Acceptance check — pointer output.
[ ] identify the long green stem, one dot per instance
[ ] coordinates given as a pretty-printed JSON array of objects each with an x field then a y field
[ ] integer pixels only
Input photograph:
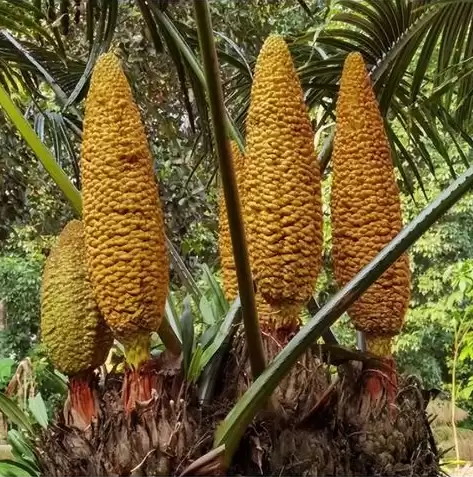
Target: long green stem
[
  {"x": 232, "y": 428},
  {"x": 41, "y": 151},
  {"x": 232, "y": 200}
]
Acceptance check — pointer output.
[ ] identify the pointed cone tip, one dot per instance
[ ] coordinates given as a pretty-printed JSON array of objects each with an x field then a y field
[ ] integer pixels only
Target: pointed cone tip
[
  {"x": 354, "y": 60},
  {"x": 274, "y": 45},
  {"x": 105, "y": 64}
]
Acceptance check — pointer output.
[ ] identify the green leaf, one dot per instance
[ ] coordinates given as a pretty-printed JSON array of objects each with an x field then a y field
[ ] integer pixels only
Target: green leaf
[
  {"x": 22, "y": 23},
  {"x": 103, "y": 37},
  {"x": 22, "y": 449},
  {"x": 56, "y": 381},
  {"x": 362, "y": 10},
  {"x": 218, "y": 297},
  {"x": 193, "y": 63},
  {"x": 208, "y": 335},
  {"x": 206, "y": 311},
  {"x": 58, "y": 91},
  {"x": 187, "y": 327},
  {"x": 467, "y": 351},
  {"x": 148, "y": 18},
  {"x": 212, "y": 357},
  {"x": 90, "y": 22},
  {"x": 172, "y": 317},
  {"x": 13, "y": 413},
  {"x": 169, "y": 337},
  {"x": 41, "y": 151},
  {"x": 38, "y": 409},
  {"x": 6, "y": 365},
  {"x": 97, "y": 48},
  {"x": 195, "y": 366},
  {"x": 466, "y": 392},
  {"x": 238, "y": 51},
  {"x": 10, "y": 468},
  {"x": 424, "y": 58},
  {"x": 232, "y": 320}
]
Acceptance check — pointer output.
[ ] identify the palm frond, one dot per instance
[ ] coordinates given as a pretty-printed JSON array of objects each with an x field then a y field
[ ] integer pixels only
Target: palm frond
[
  {"x": 24, "y": 18},
  {"x": 102, "y": 40},
  {"x": 415, "y": 50},
  {"x": 414, "y": 56},
  {"x": 65, "y": 150},
  {"x": 37, "y": 62}
]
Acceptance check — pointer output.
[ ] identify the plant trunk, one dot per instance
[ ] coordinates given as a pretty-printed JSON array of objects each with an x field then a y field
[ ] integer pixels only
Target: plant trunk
[
  {"x": 3, "y": 424},
  {"x": 454, "y": 393},
  {"x": 321, "y": 426}
]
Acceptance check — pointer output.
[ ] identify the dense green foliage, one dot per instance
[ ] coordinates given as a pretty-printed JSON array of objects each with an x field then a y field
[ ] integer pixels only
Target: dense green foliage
[{"x": 20, "y": 280}]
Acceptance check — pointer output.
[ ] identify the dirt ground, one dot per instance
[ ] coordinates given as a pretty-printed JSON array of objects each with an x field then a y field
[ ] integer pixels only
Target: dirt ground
[{"x": 5, "y": 452}]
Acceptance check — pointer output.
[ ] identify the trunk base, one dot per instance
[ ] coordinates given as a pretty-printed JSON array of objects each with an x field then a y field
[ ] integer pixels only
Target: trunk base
[
  {"x": 152, "y": 438},
  {"x": 320, "y": 427},
  {"x": 336, "y": 440},
  {"x": 304, "y": 385}
]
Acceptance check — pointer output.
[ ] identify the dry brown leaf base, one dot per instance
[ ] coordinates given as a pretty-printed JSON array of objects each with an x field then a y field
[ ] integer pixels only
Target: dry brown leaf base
[
  {"x": 337, "y": 429},
  {"x": 156, "y": 438},
  {"x": 300, "y": 390},
  {"x": 347, "y": 437},
  {"x": 339, "y": 434}
]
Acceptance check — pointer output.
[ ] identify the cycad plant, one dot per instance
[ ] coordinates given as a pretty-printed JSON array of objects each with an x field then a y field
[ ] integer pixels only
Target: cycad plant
[{"x": 152, "y": 422}]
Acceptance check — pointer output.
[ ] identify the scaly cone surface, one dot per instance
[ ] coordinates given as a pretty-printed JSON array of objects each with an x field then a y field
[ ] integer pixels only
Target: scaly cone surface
[
  {"x": 266, "y": 312},
  {"x": 283, "y": 209},
  {"x": 124, "y": 228},
  {"x": 72, "y": 328},
  {"x": 366, "y": 212},
  {"x": 227, "y": 262}
]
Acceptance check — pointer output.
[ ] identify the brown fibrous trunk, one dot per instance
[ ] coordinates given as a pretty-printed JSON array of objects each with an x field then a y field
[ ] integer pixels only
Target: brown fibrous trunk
[
  {"x": 304, "y": 384},
  {"x": 153, "y": 437},
  {"x": 322, "y": 425}
]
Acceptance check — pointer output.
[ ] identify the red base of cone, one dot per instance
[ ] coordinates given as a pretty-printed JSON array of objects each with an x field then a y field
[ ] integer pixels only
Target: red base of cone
[
  {"x": 382, "y": 384},
  {"x": 81, "y": 407},
  {"x": 138, "y": 385}
]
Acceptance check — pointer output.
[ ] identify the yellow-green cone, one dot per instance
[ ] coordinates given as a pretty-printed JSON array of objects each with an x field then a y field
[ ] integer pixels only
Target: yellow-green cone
[{"x": 72, "y": 328}]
